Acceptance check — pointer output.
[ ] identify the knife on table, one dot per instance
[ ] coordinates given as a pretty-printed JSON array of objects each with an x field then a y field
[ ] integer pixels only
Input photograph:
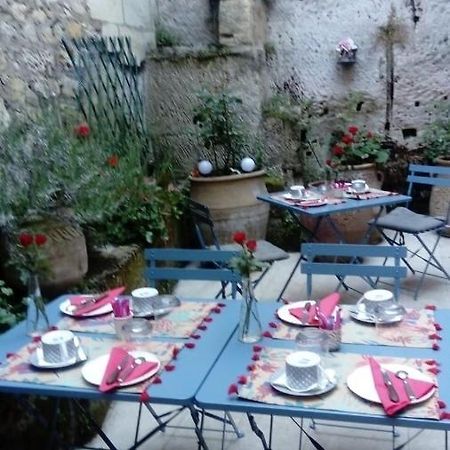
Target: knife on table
[
  {"x": 393, "y": 395},
  {"x": 116, "y": 372},
  {"x": 90, "y": 301}
]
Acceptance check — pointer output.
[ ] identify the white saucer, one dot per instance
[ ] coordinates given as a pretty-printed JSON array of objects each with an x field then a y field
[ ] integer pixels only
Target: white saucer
[
  {"x": 361, "y": 383},
  {"x": 362, "y": 316},
  {"x": 351, "y": 191},
  {"x": 37, "y": 359},
  {"x": 93, "y": 371},
  {"x": 66, "y": 308},
  {"x": 158, "y": 306},
  {"x": 328, "y": 383}
]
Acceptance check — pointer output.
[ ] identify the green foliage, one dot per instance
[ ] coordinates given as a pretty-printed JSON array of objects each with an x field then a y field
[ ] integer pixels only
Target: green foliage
[
  {"x": 8, "y": 317},
  {"x": 164, "y": 38},
  {"x": 437, "y": 135},
  {"x": 220, "y": 131}
]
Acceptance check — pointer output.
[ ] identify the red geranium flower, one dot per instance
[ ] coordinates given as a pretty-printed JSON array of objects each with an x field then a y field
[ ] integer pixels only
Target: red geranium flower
[
  {"x": 337, "y": 151},
  {"x": 112, "y": 161},
  {"x": 82, "y": 130},
  {"x": 353, "y": 129},
  {"x": 25, "y": 239},
  {"x": 347, "y": 139},
  {"x": 251, "y": 245},
  {"x": 239, "y": 237},
  {"x": 40, "y": 239}
]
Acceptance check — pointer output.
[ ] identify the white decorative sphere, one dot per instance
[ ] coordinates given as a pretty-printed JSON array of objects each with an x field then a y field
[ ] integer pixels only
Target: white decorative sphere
[
  {"x": 205, "y": 167},
  {"x": 247, "y": 164}
]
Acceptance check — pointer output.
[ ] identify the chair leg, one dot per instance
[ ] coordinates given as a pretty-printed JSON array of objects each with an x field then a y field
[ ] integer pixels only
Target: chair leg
[{"x": 289, "y": 279}]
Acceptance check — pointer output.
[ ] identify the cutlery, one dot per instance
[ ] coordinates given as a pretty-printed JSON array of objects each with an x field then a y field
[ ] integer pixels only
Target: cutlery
[
  {"x": 115, "y": 374},
  {"x": 393, "y": 395},
  {"x": 403, "y": 375},
  {"x": 90, "y": 301},
  {"x": 128, "y": 369},
  {"x": 81, "y": 354}
]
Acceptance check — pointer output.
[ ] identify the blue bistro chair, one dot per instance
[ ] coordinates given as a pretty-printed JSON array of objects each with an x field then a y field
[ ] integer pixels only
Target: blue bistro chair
[
  {"x": 159, "y": 266},
  {"x": 204, "y": 229},
  {"x": 347, "y": 261},
  {"x": 211, "y": 266},
  {"x": 401, "y": 221}
]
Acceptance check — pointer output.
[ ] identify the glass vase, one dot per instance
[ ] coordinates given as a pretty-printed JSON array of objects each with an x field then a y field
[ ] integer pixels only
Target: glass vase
[
  {"x": 37, "y": 320},
  {"x": 250, "y": 329}
]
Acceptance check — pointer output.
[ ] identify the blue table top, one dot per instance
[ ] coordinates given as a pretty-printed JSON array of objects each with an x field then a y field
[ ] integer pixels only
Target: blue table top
[
  {"x": 177, "y": 388},
  {"x": 348, "y": 205},
  {"x": 236, "y": 356}
]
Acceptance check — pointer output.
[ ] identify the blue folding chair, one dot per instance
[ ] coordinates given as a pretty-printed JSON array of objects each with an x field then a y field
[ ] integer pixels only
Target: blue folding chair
[
  {"x": 347, "y": 261},
  {"x": 213, "y": 267},
  {"x": 159, "y": 266},
  {"x": 403, "y": 221}
]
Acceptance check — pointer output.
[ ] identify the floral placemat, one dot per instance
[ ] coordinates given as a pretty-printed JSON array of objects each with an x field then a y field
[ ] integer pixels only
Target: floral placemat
[
  {"x": 417, "y": 329},
  {"x": 17, "y": 368},
  {"x": 268, "y": 361},
  {"x": 179, "y": 323}
]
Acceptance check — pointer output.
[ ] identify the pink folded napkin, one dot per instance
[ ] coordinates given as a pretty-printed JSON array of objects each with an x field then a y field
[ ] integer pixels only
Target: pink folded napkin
[
  {"x": 325, "y": 308},
  {"x": 116, "y": 357},
  {"x": 106, "y": 297},
  {"x": 419, "y": 388},
  {"x": 306, "y": 314}
]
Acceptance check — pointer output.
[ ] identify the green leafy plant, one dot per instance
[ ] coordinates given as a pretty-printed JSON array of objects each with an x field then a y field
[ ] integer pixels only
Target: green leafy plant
[
  {"x": 164, "y": 38},
  {"x": 220, "y": 131},
  {"x": 8, "y": 317},
  {"x": 437, "y": 136},
  {"x": 355, "y": 146}
]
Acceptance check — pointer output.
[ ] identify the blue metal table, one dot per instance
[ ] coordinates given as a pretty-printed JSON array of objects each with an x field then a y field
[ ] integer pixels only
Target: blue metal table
[
  {"x": 236, "y": 356},
  {"x": 178, "y": 387},
  {"x": 324, "y": 215}
]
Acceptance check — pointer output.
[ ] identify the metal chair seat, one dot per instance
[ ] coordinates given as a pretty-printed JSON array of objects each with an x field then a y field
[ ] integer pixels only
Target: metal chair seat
[{"x": 407, "y": 221}]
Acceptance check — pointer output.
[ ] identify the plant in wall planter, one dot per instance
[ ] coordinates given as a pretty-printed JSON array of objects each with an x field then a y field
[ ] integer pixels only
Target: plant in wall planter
[{"x": 228, "y": 175}]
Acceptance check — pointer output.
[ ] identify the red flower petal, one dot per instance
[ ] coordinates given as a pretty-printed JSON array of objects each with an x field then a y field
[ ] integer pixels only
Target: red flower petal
[
  {"x": 40, "y": 239},
  {"x": 25, "y": 239},
  {"x": 144, "y": 397},
  {"x": 353, "y": 129},
  {"x": 251, "y": 245},
  {"x": 82, "y": 130},
  {"x": 239, "y": 237},
  {"x": 431, "y": 307}
]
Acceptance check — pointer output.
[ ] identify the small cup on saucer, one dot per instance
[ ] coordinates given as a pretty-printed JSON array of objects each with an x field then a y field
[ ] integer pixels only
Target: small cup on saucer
[
  {"x": 58, "y": 346},
  {"x": 303, "y": 371},
  {"x": 297, "y": 191},
  {"x": 376, "y": 300},
  {"x": 359, "y": 186},
  {"x": 142, "y": 298}
]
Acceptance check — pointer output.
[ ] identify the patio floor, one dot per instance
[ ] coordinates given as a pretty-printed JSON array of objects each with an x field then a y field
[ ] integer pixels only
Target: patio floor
[{"x": 434, "y": 290}]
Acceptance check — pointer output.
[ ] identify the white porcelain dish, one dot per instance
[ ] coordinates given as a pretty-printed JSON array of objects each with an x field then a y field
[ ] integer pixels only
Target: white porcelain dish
[
  {"x": 284, "y": 314},
  {"x": 66, "y": 308},
  {"x": 329, "y": 382},
  {"x": 37, "y": 358}
]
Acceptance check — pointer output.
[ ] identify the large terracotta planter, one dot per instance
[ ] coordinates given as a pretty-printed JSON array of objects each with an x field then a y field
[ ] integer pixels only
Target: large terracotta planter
[
  {"x": 65, "y": 251},
  {"x": 353, "y": 225},
  {"x": 440, "y": 197},
  {"x": 233, "y": 204}
]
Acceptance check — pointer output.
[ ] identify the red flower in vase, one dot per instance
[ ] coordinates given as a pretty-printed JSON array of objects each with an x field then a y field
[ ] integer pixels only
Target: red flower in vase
[
  {"x": 245, "y": 263},
  {"x": 29, "y": 256},
  {"x": 25, "y": 239},
  {"x": 239, "y": 237}
]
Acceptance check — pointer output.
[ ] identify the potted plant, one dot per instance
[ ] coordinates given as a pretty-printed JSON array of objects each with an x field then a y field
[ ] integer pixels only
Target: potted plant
[
  {"x": 437, "y": 151},
  {"x": 355, "y": 154},
  {"x": 228, "y": 176}
]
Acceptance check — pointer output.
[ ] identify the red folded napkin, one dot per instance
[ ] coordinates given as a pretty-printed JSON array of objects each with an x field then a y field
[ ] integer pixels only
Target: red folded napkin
[
  {"x": 326, "y": 307},
  {"x": 116, "y": 357},
  {"x": 109, "y": 296},
  {"x": 303, "y": 312},
  {"x": 420, "y": 388}
]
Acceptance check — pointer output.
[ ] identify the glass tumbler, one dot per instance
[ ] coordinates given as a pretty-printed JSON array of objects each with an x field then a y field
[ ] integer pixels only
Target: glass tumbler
[{"x": 314, "y": 340}]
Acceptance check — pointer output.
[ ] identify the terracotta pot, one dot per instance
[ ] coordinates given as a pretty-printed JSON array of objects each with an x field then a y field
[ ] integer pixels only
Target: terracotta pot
[
  {"x": 65, "y": 251},
  {"x": 353, "y": 225},
  {"x": 233, "y": 204},
  {"x": 440, "y": 196}
]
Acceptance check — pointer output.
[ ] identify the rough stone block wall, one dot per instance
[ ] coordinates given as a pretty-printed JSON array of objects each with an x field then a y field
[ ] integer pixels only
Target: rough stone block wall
[{"x": 32, "y": 62}]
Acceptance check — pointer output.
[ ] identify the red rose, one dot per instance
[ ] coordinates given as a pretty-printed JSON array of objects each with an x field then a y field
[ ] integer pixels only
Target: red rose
[
  {"x": 347, "y": 139},
  {"x": 40, "y": 239},
  {"x": 337, "y": 150},
  {"x": 112, "y": 161},
  {"x": 353, "y": 130},
  {"x": 25, "y": 239},
  {"x": 82, "y": 130},
  {"x": 239, "y": 237},
  {"x": 251, "y": 245}
]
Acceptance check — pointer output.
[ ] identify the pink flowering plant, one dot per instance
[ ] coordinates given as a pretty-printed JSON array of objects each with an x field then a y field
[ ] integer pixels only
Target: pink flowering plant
[{"x": 355, "y": 146}]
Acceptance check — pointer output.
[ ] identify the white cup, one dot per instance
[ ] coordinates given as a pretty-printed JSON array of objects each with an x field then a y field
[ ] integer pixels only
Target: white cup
[
  {"x": 298, "y": 191},
  {"x": 58, "y": 346},
  {"x": 359, "y": 185},
  {"x": 142, "y": 298},
  {"x": 376, "y": 300},
  {"x": 303, "y": 371}
]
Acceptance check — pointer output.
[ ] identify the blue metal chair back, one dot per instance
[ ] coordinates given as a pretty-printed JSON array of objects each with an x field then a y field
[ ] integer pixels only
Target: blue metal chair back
[
  {"x": 157, "y": 260},
  {"x": 353, "y": 267}
]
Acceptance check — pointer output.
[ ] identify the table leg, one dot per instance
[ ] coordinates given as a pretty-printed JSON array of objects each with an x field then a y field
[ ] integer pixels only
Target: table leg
[{"x": 198, "y": 432}]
